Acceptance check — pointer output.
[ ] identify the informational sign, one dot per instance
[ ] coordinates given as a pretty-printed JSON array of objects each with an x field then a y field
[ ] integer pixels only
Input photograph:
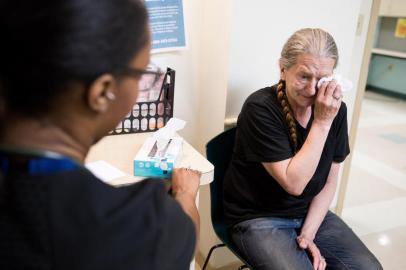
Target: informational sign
[
  {"x": 167, "y": 24},
  {"x": 400, "y": 31}
]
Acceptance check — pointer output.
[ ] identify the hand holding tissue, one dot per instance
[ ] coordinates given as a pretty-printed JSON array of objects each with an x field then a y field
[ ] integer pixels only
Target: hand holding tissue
[
  {"x": 160, "y": 152},
  {"x": 346, "y": 85}
]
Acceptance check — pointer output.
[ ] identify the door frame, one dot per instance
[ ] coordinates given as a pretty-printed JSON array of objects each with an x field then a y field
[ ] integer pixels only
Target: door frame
[{"x": 374, "y": 13}]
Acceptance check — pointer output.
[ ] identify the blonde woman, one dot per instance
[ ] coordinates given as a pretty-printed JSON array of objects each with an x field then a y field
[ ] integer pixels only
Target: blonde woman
[{"x": 291, "y": 139}]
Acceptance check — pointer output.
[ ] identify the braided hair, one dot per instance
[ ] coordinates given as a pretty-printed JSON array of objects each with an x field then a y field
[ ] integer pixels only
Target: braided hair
[{"x": 287, "y": 111}]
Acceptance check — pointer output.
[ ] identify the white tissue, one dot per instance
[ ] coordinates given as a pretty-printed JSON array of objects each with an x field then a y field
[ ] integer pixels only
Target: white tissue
[
  {"x": 346, "y": 85},
  {"x": 163, "y": 135}
]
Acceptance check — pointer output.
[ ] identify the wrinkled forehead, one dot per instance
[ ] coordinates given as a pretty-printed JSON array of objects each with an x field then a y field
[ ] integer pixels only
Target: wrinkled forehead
[{"x": 314, "y": 65}]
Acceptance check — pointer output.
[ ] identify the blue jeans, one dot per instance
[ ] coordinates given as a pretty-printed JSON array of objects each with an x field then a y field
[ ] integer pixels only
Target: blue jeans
[{"x": 270, "y": 244}]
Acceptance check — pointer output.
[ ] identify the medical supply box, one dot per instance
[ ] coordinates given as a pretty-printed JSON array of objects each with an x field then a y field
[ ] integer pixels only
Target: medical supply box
[{"x": 157, "y": 158}]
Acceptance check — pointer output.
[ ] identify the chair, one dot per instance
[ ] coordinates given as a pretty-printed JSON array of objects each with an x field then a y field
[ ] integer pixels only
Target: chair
[{"x": 219, "y": 151}]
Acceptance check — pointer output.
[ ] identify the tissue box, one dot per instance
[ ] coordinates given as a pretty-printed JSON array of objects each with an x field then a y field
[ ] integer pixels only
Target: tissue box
[{"x": 150, "y": 162}]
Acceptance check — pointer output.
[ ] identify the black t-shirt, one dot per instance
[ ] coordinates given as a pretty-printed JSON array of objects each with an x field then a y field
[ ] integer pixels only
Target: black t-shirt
[
  {"x": 262, "y": 136},
  {"x": 72, "y": 220}
]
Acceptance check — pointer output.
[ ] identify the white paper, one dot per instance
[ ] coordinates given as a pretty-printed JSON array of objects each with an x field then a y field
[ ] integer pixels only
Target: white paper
[
  {"x": 346, "y": 85},
  {"x": 167, "y": 132},
  {"x": 104, "y": 171},
  {"x": 163, "y": 135}
]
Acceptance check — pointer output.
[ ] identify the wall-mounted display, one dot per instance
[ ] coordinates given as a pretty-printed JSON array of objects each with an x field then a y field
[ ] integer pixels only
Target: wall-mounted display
[{"x": 167, "y": 25}]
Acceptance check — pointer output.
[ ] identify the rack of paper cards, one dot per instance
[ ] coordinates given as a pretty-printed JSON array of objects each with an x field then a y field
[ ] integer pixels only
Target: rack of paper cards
[{"x": 153, "y": 108}]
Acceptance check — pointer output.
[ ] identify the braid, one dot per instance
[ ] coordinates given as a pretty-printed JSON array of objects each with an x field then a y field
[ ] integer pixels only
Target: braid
[{"x": 287, "y": 111}]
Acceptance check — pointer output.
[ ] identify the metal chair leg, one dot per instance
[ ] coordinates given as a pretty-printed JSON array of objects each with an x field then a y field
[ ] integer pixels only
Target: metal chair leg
[{"x": 210, "y": 252}]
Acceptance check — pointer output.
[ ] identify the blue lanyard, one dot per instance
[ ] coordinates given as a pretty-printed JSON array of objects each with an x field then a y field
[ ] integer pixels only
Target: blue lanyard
[{"x": 36, "y": 165}]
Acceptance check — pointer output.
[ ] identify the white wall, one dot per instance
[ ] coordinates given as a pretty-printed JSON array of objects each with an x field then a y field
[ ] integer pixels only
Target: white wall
[
  {"x": 186, "y": 64},
  {"x": 200, "y": 88},
  {"x": 357, "y": 54},
  {"x": 213, "y": 90},
  {"x": 355, "y": 70},
  {"x": 261, "y": 27},
  {"x": 393, "y": 8},
  {"x": 201, "y": 70}
]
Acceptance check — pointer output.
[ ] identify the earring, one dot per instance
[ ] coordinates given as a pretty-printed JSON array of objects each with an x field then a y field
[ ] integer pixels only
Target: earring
[{"x": 110, "y": 95}]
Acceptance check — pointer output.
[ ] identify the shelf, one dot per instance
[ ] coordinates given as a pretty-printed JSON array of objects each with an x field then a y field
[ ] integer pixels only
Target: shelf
[{"x": 389, "y": 53}]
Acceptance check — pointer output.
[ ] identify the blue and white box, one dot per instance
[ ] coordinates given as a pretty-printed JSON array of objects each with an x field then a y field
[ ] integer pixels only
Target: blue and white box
[{"x": 158, "y": 158}]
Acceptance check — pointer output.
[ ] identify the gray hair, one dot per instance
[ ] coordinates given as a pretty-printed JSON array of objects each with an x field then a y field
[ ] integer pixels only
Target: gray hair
[{"x": 314, "y": 41}]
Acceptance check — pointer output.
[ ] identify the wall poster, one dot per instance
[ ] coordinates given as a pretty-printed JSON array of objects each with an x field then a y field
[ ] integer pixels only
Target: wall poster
[{"x": 167, "y": 25}]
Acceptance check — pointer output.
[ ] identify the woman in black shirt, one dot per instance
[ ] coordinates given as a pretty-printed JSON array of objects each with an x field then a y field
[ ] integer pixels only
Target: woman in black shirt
[
  {"x": 70, "y": 71},
  {"x": 290, "y": 141}
]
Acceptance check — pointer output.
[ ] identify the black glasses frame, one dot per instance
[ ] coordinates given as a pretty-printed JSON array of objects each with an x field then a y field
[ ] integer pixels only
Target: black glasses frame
[{"x": 137, "y": 73}]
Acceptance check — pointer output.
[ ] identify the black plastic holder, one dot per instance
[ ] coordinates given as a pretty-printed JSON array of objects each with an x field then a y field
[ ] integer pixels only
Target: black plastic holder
[{"x": 150, "y": 115}]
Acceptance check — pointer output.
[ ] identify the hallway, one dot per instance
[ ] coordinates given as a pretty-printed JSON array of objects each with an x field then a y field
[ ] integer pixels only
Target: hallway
[{"x": 375, "y": 205}]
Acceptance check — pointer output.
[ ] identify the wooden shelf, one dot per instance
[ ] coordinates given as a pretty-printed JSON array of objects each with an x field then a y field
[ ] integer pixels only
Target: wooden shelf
[{"x": 389, "y": 53}]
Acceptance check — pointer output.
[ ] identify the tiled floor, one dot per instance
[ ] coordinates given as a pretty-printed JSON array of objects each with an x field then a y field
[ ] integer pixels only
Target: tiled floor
[{"x": 375, "y": 205}]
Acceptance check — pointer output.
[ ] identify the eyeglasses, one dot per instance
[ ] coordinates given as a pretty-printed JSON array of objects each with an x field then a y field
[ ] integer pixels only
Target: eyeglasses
[{"x": 149, "y": 79}]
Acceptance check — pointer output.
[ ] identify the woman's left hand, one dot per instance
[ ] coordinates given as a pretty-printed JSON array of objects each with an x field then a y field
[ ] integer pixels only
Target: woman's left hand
[{"x": 319, "y": 263}]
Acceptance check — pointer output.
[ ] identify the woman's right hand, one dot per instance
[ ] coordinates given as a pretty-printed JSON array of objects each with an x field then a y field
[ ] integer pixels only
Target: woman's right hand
[
  {"x": 328, "y": 102},
  {"x": 185, "y": 182},
  {"x": 319, "y": 263}
]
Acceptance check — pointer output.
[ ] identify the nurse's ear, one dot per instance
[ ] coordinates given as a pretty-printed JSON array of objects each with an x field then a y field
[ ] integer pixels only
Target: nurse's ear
[{"x": 101, "y": 93}]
